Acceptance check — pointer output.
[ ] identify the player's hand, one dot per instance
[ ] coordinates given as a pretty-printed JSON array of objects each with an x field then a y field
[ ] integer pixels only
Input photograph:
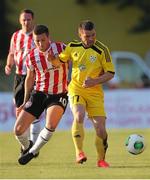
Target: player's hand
[
  {"x": 7, "y": 70},
  {"x": 53, "y": 59},
  {"x": 50, "y": 56},
  {"x": 89, "y": 82},
  {"x": 19, "y": 109}
]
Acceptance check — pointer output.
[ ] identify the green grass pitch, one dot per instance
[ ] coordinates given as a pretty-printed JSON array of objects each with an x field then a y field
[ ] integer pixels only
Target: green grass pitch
[{"x": 57, "y": 158}]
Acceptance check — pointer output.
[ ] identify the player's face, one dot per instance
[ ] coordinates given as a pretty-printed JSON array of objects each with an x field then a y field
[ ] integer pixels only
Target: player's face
[
  {"x": 27, "y": 22},
  {"x": 87, "y": 37},
  {"x": 42, "y": 41}
]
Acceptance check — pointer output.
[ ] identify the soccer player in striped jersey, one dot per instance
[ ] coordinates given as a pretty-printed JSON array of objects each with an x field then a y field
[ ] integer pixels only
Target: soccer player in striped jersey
[
  {"x": 49, "y": 92},
  {"x": 91, "y": 67},
  {"x": 21, "y": 44}
]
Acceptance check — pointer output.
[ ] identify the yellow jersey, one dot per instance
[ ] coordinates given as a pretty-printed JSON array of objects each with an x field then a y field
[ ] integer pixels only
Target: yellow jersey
[{"x": 87, "y": 62}]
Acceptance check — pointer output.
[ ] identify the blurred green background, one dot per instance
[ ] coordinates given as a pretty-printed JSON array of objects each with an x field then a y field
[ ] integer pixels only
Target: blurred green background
[{"x": 63, "y": 16}]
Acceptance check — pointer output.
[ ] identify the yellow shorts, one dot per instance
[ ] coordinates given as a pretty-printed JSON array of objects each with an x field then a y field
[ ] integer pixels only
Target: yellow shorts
[{"x": 94, "y": 103}]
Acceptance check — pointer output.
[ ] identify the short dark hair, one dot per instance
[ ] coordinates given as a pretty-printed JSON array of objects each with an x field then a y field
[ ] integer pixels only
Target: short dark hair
[
  {"x": 87, "y": 25},
  {"x": 29, "y": 11},
  {"x": 40, "y": 29}
]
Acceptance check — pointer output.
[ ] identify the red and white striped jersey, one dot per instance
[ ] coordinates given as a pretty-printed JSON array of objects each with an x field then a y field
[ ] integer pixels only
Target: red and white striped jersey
[
  {"x": 21, "y": 44},
  {"x": 48, "y": 79}
]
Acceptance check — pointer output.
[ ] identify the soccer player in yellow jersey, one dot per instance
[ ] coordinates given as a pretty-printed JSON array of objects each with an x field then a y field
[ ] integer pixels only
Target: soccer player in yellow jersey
[{"x": 91, "y": 67}]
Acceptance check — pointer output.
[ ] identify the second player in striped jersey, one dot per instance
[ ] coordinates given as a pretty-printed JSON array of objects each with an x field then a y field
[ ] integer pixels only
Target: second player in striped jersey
[{"x": 49, "y": 92}]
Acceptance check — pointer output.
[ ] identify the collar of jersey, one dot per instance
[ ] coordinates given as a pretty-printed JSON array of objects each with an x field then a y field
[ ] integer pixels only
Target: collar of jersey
[
  {"x": 45, "y": 52},
  {"x": 86, "y": 47},
  {"x": 27, "y": 33}
]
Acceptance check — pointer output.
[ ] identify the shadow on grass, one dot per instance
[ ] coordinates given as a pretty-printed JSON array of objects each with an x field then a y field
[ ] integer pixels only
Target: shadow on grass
[{"x": 132, "y": 166}]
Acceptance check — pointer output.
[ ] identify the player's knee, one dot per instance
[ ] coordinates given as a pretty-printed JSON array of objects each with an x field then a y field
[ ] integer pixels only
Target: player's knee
[
  {"x": 18, "y": 130},
  {"x": 79, "y": 117},
  {"x": 101, "y": 132}
]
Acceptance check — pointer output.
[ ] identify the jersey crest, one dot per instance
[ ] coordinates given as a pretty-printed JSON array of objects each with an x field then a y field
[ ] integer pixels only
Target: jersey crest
[{"x": 92, "y": 58}]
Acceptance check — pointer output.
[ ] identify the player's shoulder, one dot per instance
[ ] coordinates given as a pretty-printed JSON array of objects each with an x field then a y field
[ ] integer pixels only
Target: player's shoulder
[
  {"x": 75, "y": 43},
  {"x": 16, "y": 33},
  {"x": 99, "y": 47},
  {"x": 33, "y": 52},
  {"x": 58, "y": 45}
]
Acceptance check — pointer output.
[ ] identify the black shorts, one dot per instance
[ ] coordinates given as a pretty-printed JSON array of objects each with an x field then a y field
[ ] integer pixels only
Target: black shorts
[
  {"x": 18, "y": 89},
  {"x": 40, "y": 101}
]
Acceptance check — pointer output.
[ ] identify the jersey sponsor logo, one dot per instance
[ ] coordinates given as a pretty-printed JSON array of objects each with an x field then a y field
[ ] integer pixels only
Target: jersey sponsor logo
[
  {"x": 82, "y": 67},
  {"x": 51, "y": 68},
  {"x": 92, "y": 58},
  {"x": 75, "y": 56}
]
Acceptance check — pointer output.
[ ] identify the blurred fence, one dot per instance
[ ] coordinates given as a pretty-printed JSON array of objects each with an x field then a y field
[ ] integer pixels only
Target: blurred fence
[{"x": 125, "y": 109}]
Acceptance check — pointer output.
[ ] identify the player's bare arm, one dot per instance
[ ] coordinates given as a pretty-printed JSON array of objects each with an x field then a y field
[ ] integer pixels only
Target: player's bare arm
[
  {"x": 90, "y": 82},
  {"x": 9, "y": 64},
  {"x": 29, "y": 84}
]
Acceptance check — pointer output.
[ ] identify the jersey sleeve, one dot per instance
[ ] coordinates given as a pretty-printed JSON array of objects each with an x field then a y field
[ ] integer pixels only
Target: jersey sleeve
[{"x": 107, "y": 63}]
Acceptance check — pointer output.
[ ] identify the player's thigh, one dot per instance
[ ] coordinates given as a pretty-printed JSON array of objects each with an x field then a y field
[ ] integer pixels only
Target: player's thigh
[
  {"x": 23, "y": 122},
  {"x": 76, "y": 99},
  {"x": 95, "y": 106},
  {"x": 55, "y": 107},
  {"x": 78, "y": 107},
  {"x": 35, "y": 104},
  {"x": 53, "y": 116}
]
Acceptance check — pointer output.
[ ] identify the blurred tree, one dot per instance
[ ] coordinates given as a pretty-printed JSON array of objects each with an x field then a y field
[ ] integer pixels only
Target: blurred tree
[
  {"x": 103, "y": 1},
  {"x": 124, "y": 3},
  {"x": 143, "y": 23},
  {"x": 81, "y": 2},
  {"x": 6, "y": 29}
]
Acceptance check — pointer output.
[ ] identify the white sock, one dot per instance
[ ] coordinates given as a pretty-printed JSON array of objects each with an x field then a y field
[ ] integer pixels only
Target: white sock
[
  {"x": 35, "y": 129},
  {"x": 42, "y": 139},
  {"x": 24, "y": 139}
]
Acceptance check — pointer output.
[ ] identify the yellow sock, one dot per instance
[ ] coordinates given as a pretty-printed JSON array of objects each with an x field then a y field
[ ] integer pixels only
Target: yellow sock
[
  {"x": 78, "y": 136},
  {"x": 101, "y": 147}
]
